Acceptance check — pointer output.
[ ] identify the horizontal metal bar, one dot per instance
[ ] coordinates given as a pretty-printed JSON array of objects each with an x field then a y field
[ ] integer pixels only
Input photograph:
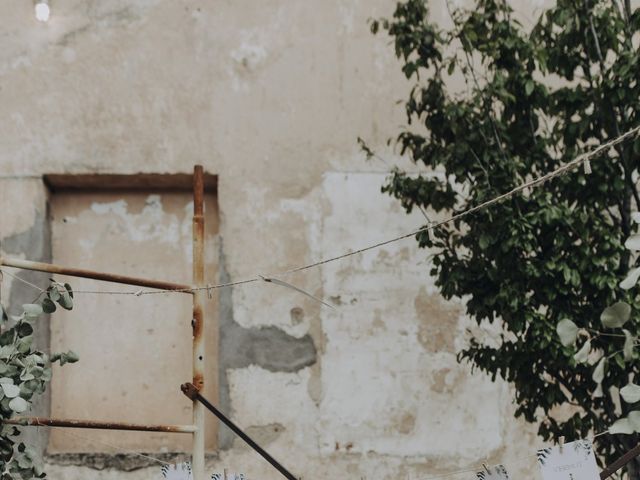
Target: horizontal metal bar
[
  {"x": 77, "y": 272},
  {"x": 69, "y": 423}
]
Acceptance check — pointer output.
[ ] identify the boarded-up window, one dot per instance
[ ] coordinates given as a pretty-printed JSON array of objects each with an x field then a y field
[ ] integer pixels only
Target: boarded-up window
[{"x": 135, "y": 351}]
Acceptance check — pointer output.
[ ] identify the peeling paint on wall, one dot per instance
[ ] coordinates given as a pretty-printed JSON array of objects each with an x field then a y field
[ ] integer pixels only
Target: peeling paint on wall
[{"x": 267, "y": 347}]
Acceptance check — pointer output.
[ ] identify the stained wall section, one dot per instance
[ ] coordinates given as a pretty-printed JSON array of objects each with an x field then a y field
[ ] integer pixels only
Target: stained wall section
[{"x": 135, "y": 350}]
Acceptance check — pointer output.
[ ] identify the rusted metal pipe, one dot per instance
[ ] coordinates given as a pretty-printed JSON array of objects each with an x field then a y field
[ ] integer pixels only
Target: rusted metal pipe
[
  {"x": 98, "y": 425},
  {"x": 621, "y": 462},
  {"x": 79, "y": 272},
  {"x": 197, "y": 460},
  {"x": 192, "y": 392}
]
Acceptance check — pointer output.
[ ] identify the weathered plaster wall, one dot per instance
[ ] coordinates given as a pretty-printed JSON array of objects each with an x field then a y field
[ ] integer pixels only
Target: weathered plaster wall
[{"x": 270, "y": 96}]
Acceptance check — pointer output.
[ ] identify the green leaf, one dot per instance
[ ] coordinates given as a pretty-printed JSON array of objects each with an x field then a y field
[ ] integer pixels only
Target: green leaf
[
  {"x": 24, "y": 344},
  {"x": 19, "y": 405},
  {"x": 10, "y": 391},
  {"x": 633, "y": 242},
  {"x": 629, "y": 342},
  {"x": 583, "y": 354},
  {"x": 634, "y": 420},
  {"x": 24, "y": 329},
  {"x": 72, "y": 357},
  {"x": 65, "y": 300},
  {"x": 48, "y": 306},
  {"x": 616, "y": 315},
  {"x": 598, "y": 393},
  {"x": 623, "y": 426},
  {"x": 53, "y": 293},
  {"x": 67, "y": 357},
  {"x": 528, "y": 87},
  {"x": 598, "y": 372},
  {"x": 630, "y": 393},
  {"x": 631, "y": 279},
  {"x": 567, "y": 331}
]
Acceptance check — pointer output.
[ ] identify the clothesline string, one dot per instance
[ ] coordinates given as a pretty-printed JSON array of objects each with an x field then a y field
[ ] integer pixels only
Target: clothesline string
[{"x": 582, "y": 159}]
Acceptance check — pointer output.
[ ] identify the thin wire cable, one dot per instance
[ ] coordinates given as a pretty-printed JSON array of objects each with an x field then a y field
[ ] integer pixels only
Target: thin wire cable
[
  {"x": 41, "y": 290},
  {"x": 562, "y": 170}
]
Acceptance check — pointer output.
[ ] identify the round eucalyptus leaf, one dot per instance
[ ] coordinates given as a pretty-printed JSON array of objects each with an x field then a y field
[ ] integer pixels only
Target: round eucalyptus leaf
[
  {"x": 53, "y": 293},
  {"x": 10, "y": 390},
  {"x": 633, "y": 242},
  {"x": 630, "y": 393},
  {"x": 598, "y": 372},
  {"x": 634, "y": 419},
  {"x": 24, "y": 329},
  {"x": 616, "y": 315},
  {"x": 622, "y": 425},
  {"x": 19, "y": 405},
  {"x": 567, "y": 331},
  {"x": 631, "y": 279},
  {"x": 24, "y": 344},
  {"x": 48, "y": 306},
  {"x": 65, "y": 300}
]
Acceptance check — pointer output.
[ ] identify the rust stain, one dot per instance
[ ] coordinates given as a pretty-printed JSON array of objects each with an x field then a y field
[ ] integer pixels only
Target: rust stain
[
  {"x": 438, "y": 322},
  {"x": 406, "y": 423},
  {"x": 440, "y": 384},
  {"x": 98, "y": 425}
]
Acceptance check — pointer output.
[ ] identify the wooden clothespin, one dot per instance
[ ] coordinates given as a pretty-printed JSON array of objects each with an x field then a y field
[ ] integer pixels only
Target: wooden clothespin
[
  {"x": 561, "y": 441},
  {"x": 484, "y": 465},
  {"x": 587, "y": 167},
  {"x": 210, "y": 297},
  {"x": 224, "y": 470}
]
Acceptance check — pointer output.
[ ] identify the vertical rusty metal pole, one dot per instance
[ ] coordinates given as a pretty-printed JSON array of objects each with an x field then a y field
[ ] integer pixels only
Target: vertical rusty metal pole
[{"x": 197, "y": 461}]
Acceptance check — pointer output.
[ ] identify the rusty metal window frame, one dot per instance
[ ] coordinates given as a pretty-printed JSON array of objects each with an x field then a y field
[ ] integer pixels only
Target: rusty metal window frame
[{"x": 198, "y": 182}]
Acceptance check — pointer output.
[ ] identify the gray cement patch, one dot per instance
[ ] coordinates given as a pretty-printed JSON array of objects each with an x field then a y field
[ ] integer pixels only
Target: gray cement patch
[{"x": 267, "y": 347}]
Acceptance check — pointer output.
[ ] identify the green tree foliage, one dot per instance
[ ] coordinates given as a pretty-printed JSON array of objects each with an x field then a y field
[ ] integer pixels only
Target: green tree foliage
[
  {"x": 494, "y": 104},
  {"x": 24, "y": 373}
]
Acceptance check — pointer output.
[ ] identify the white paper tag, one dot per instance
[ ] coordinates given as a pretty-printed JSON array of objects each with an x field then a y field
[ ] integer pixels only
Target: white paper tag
[
  {"x": 576, "y": 462},
  {"x": 181, "y": 471},
  {"x": 497, "y": 472}
]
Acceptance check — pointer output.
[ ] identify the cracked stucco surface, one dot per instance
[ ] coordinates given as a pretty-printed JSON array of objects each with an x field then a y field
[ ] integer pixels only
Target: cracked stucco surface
[{"x": 271, "y": 97}]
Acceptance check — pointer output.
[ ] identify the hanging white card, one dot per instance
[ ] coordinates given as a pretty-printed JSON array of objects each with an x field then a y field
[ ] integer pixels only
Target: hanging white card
[
  {"x": 497, "y": 472},
  {"x": 575, "y": 462},
  {"x": 181, "y": 471}
]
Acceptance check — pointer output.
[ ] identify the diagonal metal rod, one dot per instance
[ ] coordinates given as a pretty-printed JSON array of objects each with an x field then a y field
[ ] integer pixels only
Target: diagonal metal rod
[
  {"x": 621, "y": 462},
  {"x": 192, "y": 392}
]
